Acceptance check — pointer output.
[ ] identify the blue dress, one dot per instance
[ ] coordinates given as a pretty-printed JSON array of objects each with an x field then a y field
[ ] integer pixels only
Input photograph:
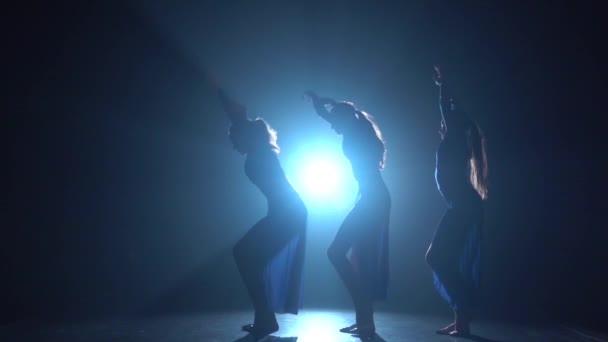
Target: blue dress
[
  {"x": 286, "y": 212},
  {"x": 369, "y": 252},
  {"x": 457, "y": 241}
]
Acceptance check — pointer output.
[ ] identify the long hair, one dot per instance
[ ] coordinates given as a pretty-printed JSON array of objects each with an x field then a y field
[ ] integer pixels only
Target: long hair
[
  {"x": 368, "y": 131},
  {"x": 370, "y": 134},
  {"x": 266, "y": 134},
  {"x": 254, "y": 134},
  {"x": 368, "y": 120},
  {"x": 478, "y": 163}
]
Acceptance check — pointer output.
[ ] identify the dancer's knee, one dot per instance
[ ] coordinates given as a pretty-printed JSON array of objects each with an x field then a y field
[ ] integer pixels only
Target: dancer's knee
[
  {"x": 334, "y": 254},
  {"x": 431, "y": 258}
]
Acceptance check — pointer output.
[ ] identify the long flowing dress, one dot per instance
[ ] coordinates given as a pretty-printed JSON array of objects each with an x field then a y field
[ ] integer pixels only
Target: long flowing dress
[
  {"x": 457, "y": 241},
  {"x": 371, "y": 214},
  {"x": 281, "y": 236}
]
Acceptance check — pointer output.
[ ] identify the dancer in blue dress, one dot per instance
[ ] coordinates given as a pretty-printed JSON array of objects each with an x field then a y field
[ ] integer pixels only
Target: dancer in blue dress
[
  {"x": 365, "y": 230},
  {"x": 270, "y": 257},
  {"x": 460, "y": 173}
]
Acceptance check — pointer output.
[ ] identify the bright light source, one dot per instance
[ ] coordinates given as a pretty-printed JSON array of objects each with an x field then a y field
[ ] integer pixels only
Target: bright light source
[
  {"x": 323, "y": 178},
  {"x": 320, "y": 177}
]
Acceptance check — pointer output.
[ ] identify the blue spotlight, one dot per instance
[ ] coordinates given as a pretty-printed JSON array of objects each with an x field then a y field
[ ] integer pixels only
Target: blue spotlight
[
  {"x": 320, "y": 177},
  {"x": 323, "y": 177}
]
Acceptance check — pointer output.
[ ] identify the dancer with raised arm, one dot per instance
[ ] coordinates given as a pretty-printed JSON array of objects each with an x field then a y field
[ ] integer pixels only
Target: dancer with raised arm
[
  {"x": 270, "y": 256},
  {"x": 461, "y": 176},
  {"x": 365, "y": 230}
]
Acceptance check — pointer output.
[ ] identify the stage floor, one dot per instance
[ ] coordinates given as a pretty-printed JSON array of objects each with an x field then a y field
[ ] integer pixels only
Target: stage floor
[{"x": 308, "y": 326}]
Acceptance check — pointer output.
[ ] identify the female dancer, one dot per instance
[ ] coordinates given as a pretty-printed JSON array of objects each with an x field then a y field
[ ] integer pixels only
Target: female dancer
[
  {"x": 365, "y": 229},
  {"x": 460, "y": 173},
  {"x": 270, "y": 256}
]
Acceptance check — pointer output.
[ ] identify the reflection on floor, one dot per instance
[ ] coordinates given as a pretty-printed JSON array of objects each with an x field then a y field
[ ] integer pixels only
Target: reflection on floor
[{"x": 308, "y": 326}]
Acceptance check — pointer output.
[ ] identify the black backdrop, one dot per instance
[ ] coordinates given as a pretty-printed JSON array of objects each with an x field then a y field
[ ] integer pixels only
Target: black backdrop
[{"x": 122, "y": 193}]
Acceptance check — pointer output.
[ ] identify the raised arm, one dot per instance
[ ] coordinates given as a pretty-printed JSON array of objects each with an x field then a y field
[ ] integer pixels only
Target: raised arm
[
  {"x": 235, "y": 111},
  {"x": 319, "y": 104},
  {"x": 447, "y": 106}
]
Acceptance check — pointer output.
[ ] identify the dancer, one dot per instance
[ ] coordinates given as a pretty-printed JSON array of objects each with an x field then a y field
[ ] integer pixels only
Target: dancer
[
  {"x": 271, "y": 254},
  {"x": 365, "y": 230},
  {"x": 460, "y": 173}
]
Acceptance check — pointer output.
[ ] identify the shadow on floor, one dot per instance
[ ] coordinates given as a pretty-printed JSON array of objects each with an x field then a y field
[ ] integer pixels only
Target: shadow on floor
[
  {"x": 376, "y": 338},
  {"x": 249, "y": 338},
  {"x": 203, "y": 289},
  {"x": 477, "y": 338}
]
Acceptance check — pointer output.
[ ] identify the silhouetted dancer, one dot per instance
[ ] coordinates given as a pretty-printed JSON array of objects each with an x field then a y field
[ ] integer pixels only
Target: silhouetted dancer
[
  {"x": 460, "y": 173},
  {"x": 365, "y": 230},
  {"x": 270, "y": 256}
]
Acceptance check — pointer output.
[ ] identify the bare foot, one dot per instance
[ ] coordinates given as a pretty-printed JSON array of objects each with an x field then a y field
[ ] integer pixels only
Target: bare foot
[
  {"x": 447, "y": 330},
  {"x": 462, "y": 325},
  {"x": 364, "y": 332},
  {"x": 259, "y": 331},
  {"x": 262, "y": 327},
  {"x": 460, "y": 332},
  {"x": 349, "y": 329}
]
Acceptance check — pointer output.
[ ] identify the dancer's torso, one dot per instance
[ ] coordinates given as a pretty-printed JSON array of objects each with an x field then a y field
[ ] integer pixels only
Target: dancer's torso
[
  {"x": 264, "y": 170},
  {"x": 452, "y": 169},
  {"x": 365, "y": 164}
]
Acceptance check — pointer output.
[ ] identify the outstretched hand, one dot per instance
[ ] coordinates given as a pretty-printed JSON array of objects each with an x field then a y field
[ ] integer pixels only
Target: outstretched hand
[
  {"x": 319, "y": 103},
  {"x": 311, "y": 96},
  {"x": 437, "y": 75},
  {"x": 234, "y": 110}
]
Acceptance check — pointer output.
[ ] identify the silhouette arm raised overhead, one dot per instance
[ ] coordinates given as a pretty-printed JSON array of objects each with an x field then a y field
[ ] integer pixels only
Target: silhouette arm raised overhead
[
  {"x": 320, "y": 104},
  {"x": 447, "y": 105},
  {"x": 236, "y": 111}
]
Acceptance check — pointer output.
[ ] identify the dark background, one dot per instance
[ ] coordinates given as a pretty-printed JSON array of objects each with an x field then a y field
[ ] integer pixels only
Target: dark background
[{"x": 122, "y": 193}]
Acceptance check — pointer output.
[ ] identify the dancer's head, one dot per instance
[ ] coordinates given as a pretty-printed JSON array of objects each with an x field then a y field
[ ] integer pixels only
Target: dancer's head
[
  {"x": 347, "y": 118},
  {"x": 250, "y": 135},
  {"x": 344, "y": 116}
]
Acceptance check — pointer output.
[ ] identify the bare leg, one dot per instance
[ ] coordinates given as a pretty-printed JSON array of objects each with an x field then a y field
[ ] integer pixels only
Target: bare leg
[
  {"x": 349, "y": 233},
  {"x": 442, "y": 256}
]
